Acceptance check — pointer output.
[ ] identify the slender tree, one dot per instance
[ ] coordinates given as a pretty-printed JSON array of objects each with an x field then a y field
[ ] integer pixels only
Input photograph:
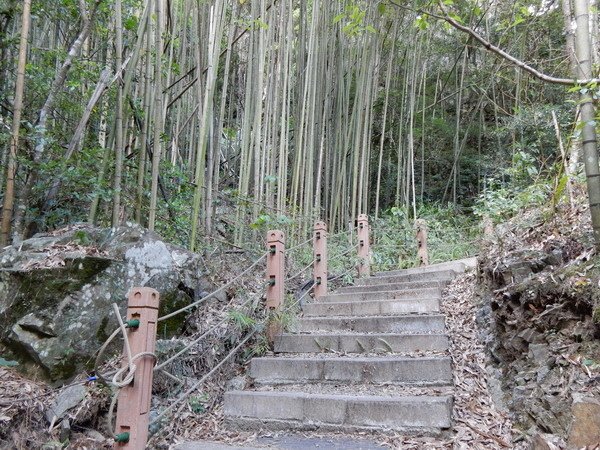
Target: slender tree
[
  {"x": 588, "y": 133},
  {"x": 9, "y": 194}
]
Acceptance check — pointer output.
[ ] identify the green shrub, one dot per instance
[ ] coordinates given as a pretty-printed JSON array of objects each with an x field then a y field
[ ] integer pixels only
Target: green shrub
[{"x": 450, "y": 235}]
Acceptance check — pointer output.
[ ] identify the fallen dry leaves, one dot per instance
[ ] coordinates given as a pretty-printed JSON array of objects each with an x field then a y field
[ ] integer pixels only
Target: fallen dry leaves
[
  {"x": 478, "y": 422},
  {"x": 54, "y": 256}
]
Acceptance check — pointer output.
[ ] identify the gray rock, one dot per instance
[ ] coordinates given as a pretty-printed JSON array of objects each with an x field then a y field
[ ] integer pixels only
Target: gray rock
[
  {"x": 236, "y": 384},
  {"x": 542, "y": 373},
  {"x": 543, "y": 441},
  {"x": 530, "y": 335},
  {"x": 539, "y": 353},
  {"x": 56, "y": 299},
  {"x": 95, "y": 435},
  {"x": 65, "y": 430},
  {"x": 67, "y": 399},
  {"x": 585, "y": 425}
]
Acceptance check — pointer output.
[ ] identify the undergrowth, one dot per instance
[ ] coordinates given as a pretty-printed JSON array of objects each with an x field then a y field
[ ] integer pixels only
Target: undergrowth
[{"x": 450, "y": 235}]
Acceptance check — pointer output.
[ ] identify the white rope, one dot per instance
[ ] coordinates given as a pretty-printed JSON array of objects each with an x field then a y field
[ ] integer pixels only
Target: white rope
[
  {"x": 117, "y": 379},
  {"x": 222, "y": 288},
  {"x": 198, "y": 339},
  {"x": 301, "y": 271},
  {"x": 291, "y": 249},
  {"x": 291, "y": 305},
  {"x": 187, "y": 393}
]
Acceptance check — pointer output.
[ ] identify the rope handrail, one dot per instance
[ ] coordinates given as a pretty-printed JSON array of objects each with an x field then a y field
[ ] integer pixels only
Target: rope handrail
[
  {"x": 191, "y": 344},
  {"x": 341, "y": 233},
  {"x": 275, "y": 276},
  {"x": 116, "y": 380},
  {"x": 347, "y": 251},
  {"x": 198, "y": 339},
  {"x": 302, "y": 244},
  {"x": 222, "y": 288},
  {"x": 301, "y": 271},
  {"x": 291, "y": 305},
  {"x": 130, "y": 368},
  {"x": 196, "y": 385},
  {"x": 342, "y": 275},
  {"x": 308, "y": 241}
]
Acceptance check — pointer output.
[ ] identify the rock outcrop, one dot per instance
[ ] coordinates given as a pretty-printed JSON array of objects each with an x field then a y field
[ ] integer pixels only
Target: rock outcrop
[
  {"x": 538, "y": 309},
  {"x": 56, "y": 292}
]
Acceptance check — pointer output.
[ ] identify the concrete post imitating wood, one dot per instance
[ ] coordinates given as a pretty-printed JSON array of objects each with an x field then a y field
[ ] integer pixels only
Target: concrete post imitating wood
[
  {"x": 422, "y": 243},
  {"x": 364, "y": 266},
  {"x": 134, "y": 400},
  {"x": 320, "y": 257},
  {"x": 275, "y": 269}
]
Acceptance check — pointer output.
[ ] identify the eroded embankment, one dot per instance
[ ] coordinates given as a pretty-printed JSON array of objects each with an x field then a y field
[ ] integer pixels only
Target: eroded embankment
[{"x": 540, "y": 291}]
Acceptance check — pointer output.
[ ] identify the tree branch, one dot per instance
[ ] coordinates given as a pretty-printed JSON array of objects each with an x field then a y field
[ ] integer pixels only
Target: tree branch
[{"x": 498, "y": 51}]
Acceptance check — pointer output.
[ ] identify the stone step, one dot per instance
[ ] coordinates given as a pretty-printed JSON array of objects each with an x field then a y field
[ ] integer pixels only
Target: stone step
[
  {"x": 458, "y": 266},
  {"x": 381, "y": 295},
  {"x": 433, "y": 323},
  {"x": 294, "y": 441},
  {"x": 375, "y": 389},
  {"x": 408, "y": 285},
  {"x": 373, "y": 307},
  {"x": 444, "y": 275},
  {"x": 360, "y": 343},
  {"x": 297, "y": 410},
  {"x": 390, "y": 369}
]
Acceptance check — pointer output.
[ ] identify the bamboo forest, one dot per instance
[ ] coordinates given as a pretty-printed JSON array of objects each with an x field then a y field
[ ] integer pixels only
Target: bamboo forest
[
  {"x": 434, "y": 161},
  {"x": 157, "y": 112}
]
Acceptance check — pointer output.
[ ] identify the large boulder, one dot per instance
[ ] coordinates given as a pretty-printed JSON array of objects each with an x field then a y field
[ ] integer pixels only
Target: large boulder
[{"x": 56, "y": 292}]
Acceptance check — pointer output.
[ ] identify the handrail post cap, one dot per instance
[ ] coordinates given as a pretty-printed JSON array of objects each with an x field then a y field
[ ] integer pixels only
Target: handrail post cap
[
  {"x": 143, "y": 297},
  {"x": 275, "y": 236}
]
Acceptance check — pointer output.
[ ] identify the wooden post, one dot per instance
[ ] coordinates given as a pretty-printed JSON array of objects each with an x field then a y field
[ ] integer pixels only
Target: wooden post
[
  {"x": 275, "y": 269},
  {"x": 422, "y": 243},
  {"x": 320, "y": 255},
  {"x": 364, "y": 269},
  {"x": 134, "y": 400}
]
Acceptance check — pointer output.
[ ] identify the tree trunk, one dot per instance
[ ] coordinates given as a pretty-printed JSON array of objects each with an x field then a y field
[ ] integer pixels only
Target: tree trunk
[
  {"x": 40, "y": 137},
  {"x": 588, "y": 134},
  {"x": 158, "y": 112},
  {"x": 9, "y": 195},
  {"x": 119, "y": 118}
]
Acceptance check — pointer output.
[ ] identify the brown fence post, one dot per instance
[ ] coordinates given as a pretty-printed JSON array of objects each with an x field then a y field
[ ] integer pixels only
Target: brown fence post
[
  {"x": 320, "y": 256},
  {"x": 364, "y": 269},
  {"x": 422, "y": 243},
  {"x": 275, "y": 269},
  {"x": 134, "y": 399},
  {"x": 275, "y": 279}
]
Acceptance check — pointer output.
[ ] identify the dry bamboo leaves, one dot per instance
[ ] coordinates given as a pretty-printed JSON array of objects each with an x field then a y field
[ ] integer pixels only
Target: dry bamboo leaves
[{"x": 478, "y": 423}]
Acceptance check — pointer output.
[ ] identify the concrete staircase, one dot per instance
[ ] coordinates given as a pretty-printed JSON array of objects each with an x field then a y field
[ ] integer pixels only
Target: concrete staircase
[{"x": 369, "y": 357}]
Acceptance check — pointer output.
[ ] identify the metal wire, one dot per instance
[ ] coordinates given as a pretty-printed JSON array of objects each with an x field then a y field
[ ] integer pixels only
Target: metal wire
[{"x": 343, "y": 274}]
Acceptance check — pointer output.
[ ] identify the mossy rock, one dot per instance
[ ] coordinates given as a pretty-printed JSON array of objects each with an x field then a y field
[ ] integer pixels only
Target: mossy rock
[
  {"x": 596, "y": 315},
  {"x": 55, "y": 316}
]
